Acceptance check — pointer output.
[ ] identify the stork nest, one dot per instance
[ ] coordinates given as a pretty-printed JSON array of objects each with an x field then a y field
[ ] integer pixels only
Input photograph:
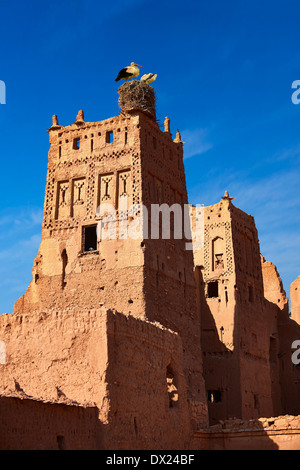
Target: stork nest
[{"x": 136, "y": 95}]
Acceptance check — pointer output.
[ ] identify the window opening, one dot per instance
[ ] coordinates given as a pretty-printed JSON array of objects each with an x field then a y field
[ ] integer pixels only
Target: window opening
[
  {"x": 214, "y": 396},
  {"x": 172, "y": 387},
  {"x": 90, "y": 238},
  {"x": 109, "y": 137},
  {"x": 76, "y": 144},
  {"x": 64, "y": 258},
  {"x": 213, "y": 289},
  {"x": 60, "y": 442}
]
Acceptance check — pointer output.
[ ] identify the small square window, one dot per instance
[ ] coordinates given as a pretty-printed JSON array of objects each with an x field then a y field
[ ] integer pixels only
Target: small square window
[{"x": 90, "y": 238}]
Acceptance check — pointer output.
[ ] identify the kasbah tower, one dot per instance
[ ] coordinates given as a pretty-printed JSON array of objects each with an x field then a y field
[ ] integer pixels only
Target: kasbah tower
[{"x": 130, "y": 342}]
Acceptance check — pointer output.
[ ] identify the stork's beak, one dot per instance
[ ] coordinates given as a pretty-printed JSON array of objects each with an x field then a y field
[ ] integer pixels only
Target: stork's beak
[{"x": 138, "y": 65}]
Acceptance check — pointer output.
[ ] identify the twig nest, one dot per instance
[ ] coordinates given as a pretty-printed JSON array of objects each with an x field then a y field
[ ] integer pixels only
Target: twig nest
[{"x": 136, "y": 95}]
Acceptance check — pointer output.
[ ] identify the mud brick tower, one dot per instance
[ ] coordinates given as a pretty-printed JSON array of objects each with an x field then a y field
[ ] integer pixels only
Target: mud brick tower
[
  {"x": 237, "y": 333},
  {"x": 128, "y": 160}
]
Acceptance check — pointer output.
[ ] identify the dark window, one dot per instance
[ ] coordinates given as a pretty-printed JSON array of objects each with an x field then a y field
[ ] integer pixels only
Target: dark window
[
  {"x": 109, "y": 137},
  {"x": 60, "y": 442},
  {"x": 90, "y": 238},
  {"x": 213, "y": 289},
  {"x": 172, "y": 387},
  {"x": 76, "y": 144},
  {"x": 64, "y": 258},
  {"x": 214, "y": 396}
]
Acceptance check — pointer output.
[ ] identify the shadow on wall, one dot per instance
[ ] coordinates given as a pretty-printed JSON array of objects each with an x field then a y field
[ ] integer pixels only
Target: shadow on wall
[
  {"x": 221, "y": 366},
  {"x": 243, "y": 435},
  {"x": 289, "y": 375},
  {"x": 28, "y": 424}
]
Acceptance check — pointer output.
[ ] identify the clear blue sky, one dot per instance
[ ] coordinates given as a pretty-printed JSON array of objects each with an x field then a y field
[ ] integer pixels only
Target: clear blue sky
[{"x": 225, "y": 70}]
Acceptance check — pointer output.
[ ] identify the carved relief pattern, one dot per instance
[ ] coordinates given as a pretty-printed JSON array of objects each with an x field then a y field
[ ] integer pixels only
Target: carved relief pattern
[
  {"x": 62, "y": 194},
  {"x": 228, "y": 250},
  {"x": 57, "y": 208},
  {"x": 124, "y": 187},
  {"x": 136, "y": 184},
  {"x": 49, "y": 205},
  {"x": 124, "y": 182},
  {"x": 63, "y": 200},
  {"x": 106, "y": 189},
  {"x": 91, "y": 200},
  {"x": 78, "y": 191}
]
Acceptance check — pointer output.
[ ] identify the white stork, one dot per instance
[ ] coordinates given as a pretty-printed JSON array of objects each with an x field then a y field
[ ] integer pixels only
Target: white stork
[
  {"x": 148, "y": 78},
  {"x": 128, "y": 72}
]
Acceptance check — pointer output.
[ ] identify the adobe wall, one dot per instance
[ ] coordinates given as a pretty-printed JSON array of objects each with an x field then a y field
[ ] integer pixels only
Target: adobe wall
[
  {"x": 280, "y": 433},
  {"x": 56, "y": 355},
  {"x": 149, "y": 406},
  {"x": 289, "y": 331},
  {"x": 295, "y": 299},
  {"x": 276, "y": 307},
  {"x": 252, "y": 325},
  {"x": 283, "y": 331},
  {"x": 131, "y": 370},
  {"x": 169, "y": 284},
  {"x": 273, "y": 286},
  {"x": 28, "y": 424}
]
